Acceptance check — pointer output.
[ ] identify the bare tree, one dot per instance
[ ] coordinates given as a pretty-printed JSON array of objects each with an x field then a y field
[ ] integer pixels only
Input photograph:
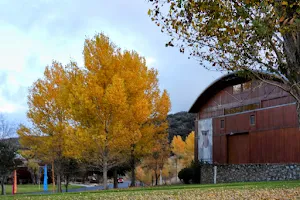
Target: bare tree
[
  {"x": 7, "y": 128},
  {"x": 259, "y": 38},
  {"x": 8, "y": 151}
]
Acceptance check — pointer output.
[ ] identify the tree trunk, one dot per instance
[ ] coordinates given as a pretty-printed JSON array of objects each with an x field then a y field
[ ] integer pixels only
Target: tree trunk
[
  {"x": 298, "y": 113},
  {"x": 176, "y": 170},
  {"x": 152, "y": 179},
  {"x": 32, "y": 177},
  {"x": 53, "y": 178},
  {"x": 83, "y": 179},
  {"x": 35, "y": 179},
  {"x": 160, "y": 177},
  {"x": 156, "y": 173},
  {"x": 132, "y": 166},
  {"x": 38, "y": 178},
  {"x": 105, "y": 172},
  {"x": 59, "y": 190},
  {"x": 156, "y": 177},
  {"x": 115, "y": 178},
  {"x": 67, "y": 182},
  {"x": 132, "y": 184},
  {"x": 3, "y": 192}
]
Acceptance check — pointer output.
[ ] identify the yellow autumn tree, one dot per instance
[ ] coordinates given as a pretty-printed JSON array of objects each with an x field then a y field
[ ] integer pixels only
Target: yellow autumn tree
[
  {"x": 183, "y": 150},
  {"x": 114, "y": 102},
  {"x": 156, "y": 140},
  {"x": 189, "y": 148},
  {"x": 106, "y": 112},
  {"x": 169, "y": 171},
  {"x": 157, "y": 160},
  {"x": 178, "y": 145},
  {"x": 47, "y": 113},
  {"x": 144, "y": 175},
  {"x": 153, "y": 132},
  {"x": 99, "y": 113}
]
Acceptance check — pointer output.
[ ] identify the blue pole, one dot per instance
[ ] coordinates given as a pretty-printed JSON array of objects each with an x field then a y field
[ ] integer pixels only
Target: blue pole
[{"x": 45, "y": 179}]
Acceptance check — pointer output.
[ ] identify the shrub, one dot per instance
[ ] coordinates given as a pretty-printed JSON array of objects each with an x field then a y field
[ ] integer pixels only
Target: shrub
[
  {"x": 196, "y": 166},
  {"x": 186, "y": 175}
]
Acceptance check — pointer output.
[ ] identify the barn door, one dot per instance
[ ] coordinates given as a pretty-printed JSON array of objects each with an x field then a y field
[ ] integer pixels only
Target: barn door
[{"x": 238, "y": 148}]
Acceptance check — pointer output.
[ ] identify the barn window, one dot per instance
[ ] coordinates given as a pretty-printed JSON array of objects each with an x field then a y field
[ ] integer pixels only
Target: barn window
[
  {"x": 252, "y": 120},
  {"x": 246, "y": 86},
  {"x": 241, "y": 108},
  {"x": 222, "y": 123},
  {"x": 237, "y": 88}
]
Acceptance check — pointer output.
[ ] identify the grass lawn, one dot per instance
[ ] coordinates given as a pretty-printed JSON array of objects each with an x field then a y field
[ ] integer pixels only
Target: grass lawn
[
  {"x": 33, "y": 188},
  {"x": 258, "y": 190}
]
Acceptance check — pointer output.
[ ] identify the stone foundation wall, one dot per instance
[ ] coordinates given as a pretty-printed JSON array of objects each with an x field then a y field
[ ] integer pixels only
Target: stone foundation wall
[{"x": 250, "y": 172}]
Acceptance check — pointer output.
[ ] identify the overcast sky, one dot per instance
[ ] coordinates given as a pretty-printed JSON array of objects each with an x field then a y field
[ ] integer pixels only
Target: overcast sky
[{"x": 35, "y": 32}]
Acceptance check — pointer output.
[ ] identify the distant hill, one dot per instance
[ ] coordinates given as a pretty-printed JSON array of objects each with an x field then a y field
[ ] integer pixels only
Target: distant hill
[
  {"x": 14, "y": 141},
  {"x": 181, "y": 123}
]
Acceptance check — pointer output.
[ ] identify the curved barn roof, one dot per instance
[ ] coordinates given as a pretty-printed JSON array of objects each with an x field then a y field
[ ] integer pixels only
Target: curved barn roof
[{"x": 215, "y": 87}]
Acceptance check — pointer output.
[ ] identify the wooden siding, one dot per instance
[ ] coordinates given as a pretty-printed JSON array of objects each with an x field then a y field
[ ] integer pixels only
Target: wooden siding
[
  {"x": 275, "y": 137},
  {"x": 272, "y": 146},
  {"x": 275, "y": 146},
  {"x": 276, "y": 118},
  {"x": 277, "y": 101},
  {"x": 262, "y": 94},
  {"x": 238, "y": 149}
]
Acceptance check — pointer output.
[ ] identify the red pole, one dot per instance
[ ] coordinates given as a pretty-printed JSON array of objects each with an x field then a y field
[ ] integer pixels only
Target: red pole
[
  {"x": 14, "y": 190},
  {"x": 16, "y": 182}
]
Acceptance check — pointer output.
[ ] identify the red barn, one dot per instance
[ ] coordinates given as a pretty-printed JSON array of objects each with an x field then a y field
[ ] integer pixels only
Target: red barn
[{"x": 245, "y": 122}]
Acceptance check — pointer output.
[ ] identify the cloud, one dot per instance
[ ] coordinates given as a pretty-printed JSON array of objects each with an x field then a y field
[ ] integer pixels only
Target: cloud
[
  {"x": 6, "y": 107},
  {"x": 36, "y": 32},
  {"x": 150, "y": 61}
]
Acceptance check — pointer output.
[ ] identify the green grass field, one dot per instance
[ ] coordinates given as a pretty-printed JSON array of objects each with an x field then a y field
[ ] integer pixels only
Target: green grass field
[
  {"x": 258, "y": 190},
  {"x": 33, "y": 188}
]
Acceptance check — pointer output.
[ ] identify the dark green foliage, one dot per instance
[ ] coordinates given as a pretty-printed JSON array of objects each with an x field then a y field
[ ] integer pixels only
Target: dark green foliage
[
  {"x": 118, "y": 170},
  {"x": 186, "y": 175},
  {"x": 7, "y": 156},
  {"x": 70, "y": 169},
  {"x": 121, "y": 170},
  {"x": 181, "y": 123},
  {"x": 196, "y": 166},
  {"x": 8, "y": 162},
  {"x": 191, "y": 174}
]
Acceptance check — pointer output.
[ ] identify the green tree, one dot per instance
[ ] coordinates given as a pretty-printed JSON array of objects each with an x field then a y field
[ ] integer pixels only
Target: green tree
[
  {"x": 70, "y": 169},
  {"x": 34, "y": 169},
  {"x": 118, "y": 170},
  {"x": 181, "y": 123},
  {"x": 258, "y": 37},
  {"x": 8, "y": 153}
]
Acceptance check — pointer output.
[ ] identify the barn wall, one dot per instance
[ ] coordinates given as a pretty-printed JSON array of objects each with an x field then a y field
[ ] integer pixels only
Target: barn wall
[
  {"x": 275, "y": 146},
  {"x": 260, "y": 95},
  {"x": 274, "y": 138}
]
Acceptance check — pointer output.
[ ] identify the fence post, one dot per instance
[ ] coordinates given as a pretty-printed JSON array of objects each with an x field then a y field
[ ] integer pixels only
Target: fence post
[{"x": 215, "y": 174}]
